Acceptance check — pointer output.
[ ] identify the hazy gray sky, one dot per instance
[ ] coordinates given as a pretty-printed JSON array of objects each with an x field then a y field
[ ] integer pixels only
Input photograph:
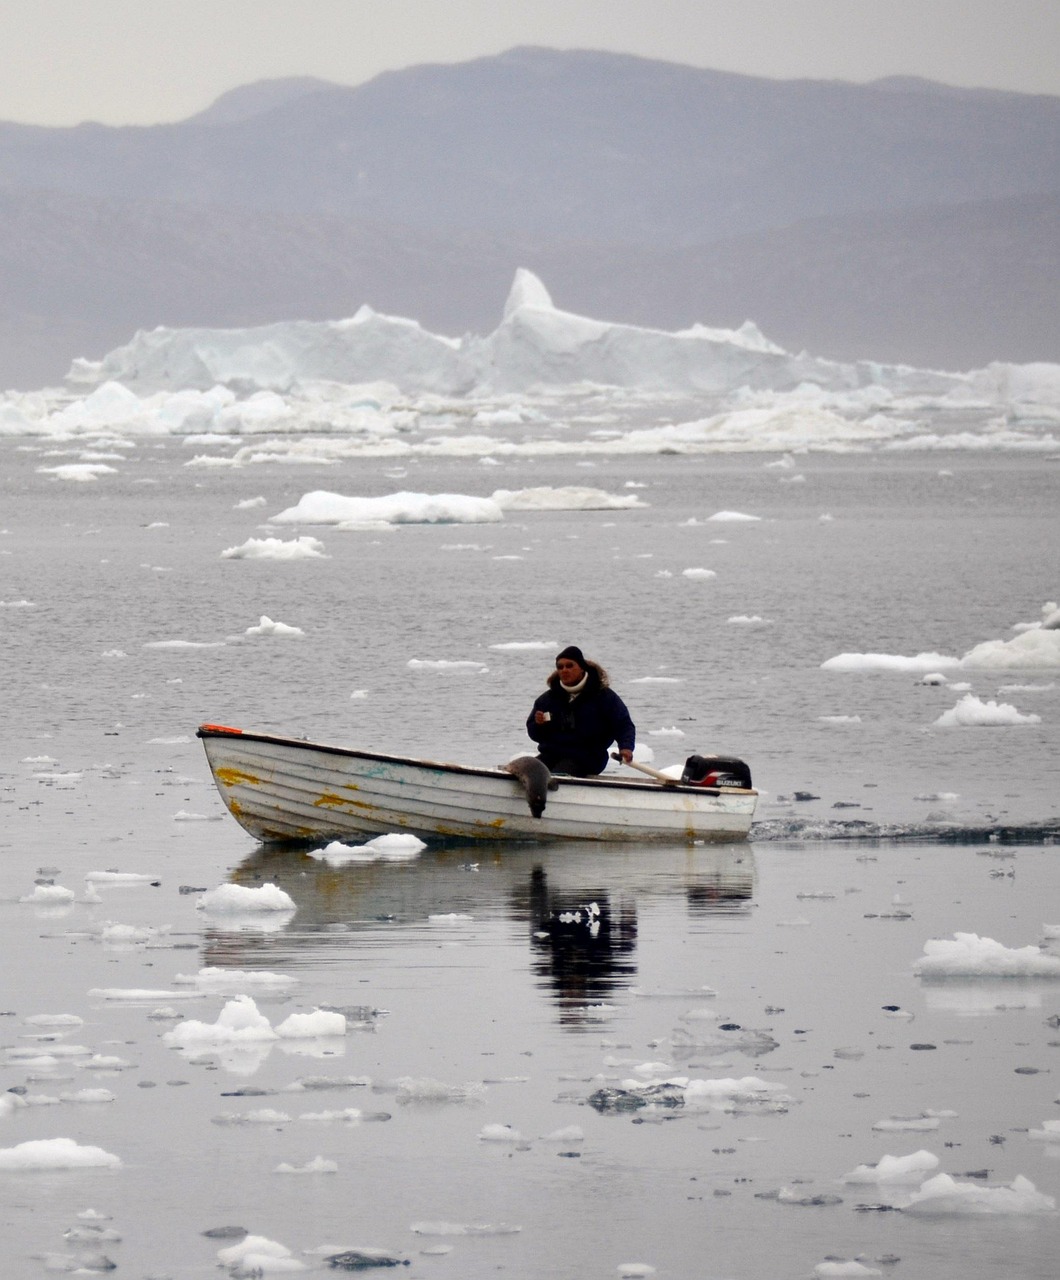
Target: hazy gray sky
[{"x": 144, "y": 61}]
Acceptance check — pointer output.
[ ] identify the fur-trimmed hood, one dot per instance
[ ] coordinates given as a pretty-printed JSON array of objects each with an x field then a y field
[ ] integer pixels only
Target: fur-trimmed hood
[{"x": 598, "y": 679}]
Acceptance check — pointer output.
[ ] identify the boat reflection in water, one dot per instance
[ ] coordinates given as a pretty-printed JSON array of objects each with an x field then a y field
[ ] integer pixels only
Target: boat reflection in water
[{"x": 576, "y": 903}]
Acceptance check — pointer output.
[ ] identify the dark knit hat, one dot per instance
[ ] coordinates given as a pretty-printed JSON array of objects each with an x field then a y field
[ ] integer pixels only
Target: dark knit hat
[{"x": 575, "y": 654}]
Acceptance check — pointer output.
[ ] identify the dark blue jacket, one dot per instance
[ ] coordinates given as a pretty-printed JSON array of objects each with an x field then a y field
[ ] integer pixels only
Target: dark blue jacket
[{"x": 581, "y": 730}]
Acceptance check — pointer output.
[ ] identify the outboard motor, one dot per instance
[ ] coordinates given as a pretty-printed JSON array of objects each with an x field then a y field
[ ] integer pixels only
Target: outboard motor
[{"x": 716, "y": 771}]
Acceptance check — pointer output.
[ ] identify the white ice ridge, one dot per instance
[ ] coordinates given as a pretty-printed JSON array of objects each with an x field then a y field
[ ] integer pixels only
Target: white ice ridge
[{"x": 536, "y": 344}]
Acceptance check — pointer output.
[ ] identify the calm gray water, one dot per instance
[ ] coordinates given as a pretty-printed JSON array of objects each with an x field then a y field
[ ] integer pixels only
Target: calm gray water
[{"x": 798, "y": 932}]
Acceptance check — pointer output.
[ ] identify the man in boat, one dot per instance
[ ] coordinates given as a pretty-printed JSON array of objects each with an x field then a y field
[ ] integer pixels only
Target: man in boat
[{"x": 578, "y": 717}]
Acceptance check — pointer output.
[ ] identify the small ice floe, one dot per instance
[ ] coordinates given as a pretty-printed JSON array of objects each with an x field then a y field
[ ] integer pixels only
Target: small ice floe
[
  {"x": 943, "y": 1196},
  {"x": 18, "y": 604},
  {"x": 418, "y": 1089},
  {"x": 183, "y": 815},
  {"x": 248, "y": 504},
  {"x": 971, "y": 711},
  {"x": 894, "y": 1170},
  {"x": 896, "y": 1011},
  {"x": 500, "y": 1133},
  {"x": 704, "y": 1029},
  {"x": 118, "y": 936},
  {"x": 239, "y": 1021},
  {"x": 839, "y": 719},
  {"x": 932, "y": 678},
  {"x": 699, "y": 1095},
  {"x": 750, "y": 620},
  {"x": 813, "y": 1199},
  {"x": 55, "y": 1153},
  {"x": 352, "y": 513},
  {"x": 394, "y": 846},
  {"x": 238, "y": 899},
  {"x": 698, "y": 573},
  {"x": 672, "y": 732},
  {"x": 10, "y": 1102},
  {"x": 303, "y": 548},
  {"x": 633, "y": 1269},
  {"x": 887, "y": 662},
  {"x": 565, "y": 498},
  {"x": 263, "y": 1115},
  {"x": 732, "y": 517},
  {"x": 219, "y": 980},
  {"x": 88, "y": 1097},
  {"x": 570, "y": 1133},
  {"x": 319, "y": 1024},
  {"x": 258, "y": 1256},
  {"x": 346, "y": 1115},
  {"x": 450, "y": 917},
  {"x": 79, "y": 472},
  {"x": 53, "y": 1020},
  {"x": 526, "y": 645},
  {"x": 922, "y": 1123},
  {"x": 185, "y": 644},
  {"x": 139, "y": 994},
  {"x": 968, "y": 955},
  {"x": 119, "y": 878},
  {"x": 49, "y": 895},
  {"x": 266, "y": 627},
  {"x": 1049, "y": 1132}
]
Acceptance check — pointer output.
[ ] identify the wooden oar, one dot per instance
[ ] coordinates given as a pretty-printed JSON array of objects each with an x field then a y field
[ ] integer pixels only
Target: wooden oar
[{"x": 664, "y": 778}]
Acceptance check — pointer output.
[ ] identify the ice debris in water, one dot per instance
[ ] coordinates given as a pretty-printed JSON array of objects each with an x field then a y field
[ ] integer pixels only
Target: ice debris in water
[
  {"x": 841, "y": 1270},
  {"x": 968, "y": 955},
  {"x": 1049, "y": 1132},
  {"x": 49, "y": 895},
  {"x": 266, "y": 627},
  {"x": 240, "y": 1021},
  {"x": 414, "y": 1089},
  {"x": 258, "y": 1256},
  {"x": 463, "y": 1229},
  {"x": 236, "y": 899},
  {"x": 894, "y": 1169},
  {"x": 213, "y": 978},
  {"x": 55, "y": 1153},
  {"x": 972, "y": 711},
  {"x": 922, "y": 1123},
  {"x": 719, "y": 1095},
  {"x": 944, "y": 1196},
  {"x": 394, "y": 846},
  {"x": 499, "y": 1133},
  {"x": 303, "y": 548}
]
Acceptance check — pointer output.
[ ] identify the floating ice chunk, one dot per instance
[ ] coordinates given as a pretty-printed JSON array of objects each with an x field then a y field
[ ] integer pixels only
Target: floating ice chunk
[
  {"x": 672, "y": 732},
  {"x": 1049, "y": 1132},
  {"x": 263, "y": 1115},
  {"x": 258, "y": 1256},
  {"x": 840, "y": 719},
  {"x": 238, "y": 899},
  {"x": 54, "y": 1020},
  {"x": 1035, "y": 649},
  {"x": 320, "y": 1022},
  {"x": 266, "y": 627},
  {"x": 323, "y": 507},
  {"x": 90, "y": 1096},
  {"x": 894, "y": 1169},
  {"x": 139, "y": 993},
  {"x": 632, "y": 1269},
  {"x": 732, "y": 516},
  {"x": 316, "y": 1165},
  {"x": 414, "y": 1089},
  {"x": 887, "y": 662},
  {"x": 968, "y": 955},
  {"x": 698, "y": 573},
  {"x": 499, "y": 1133},
  {"x": 348, "y": 1115},
  {"x": 55, "y": 1153},
  {"x": 125, "y": 935},
  {"x": 80, "y": 472},
  {"x": 974, "y": 711},
  {"x": 932, "y": 678},
  {"x": 247, "y": 504},
  {"x": 907, "y": 1124},
  {"x": 750, "y": 620},
  {"x": 217, "y": 979},
  {"x": 943, "y": 1196},
  {"x": 450, "y": 917},
  {"x": 118, "y": 878},
  {"x": 303, "y": 548},
  {"x": 239, "y": 1021},
  {"x": 567, "y": 498},
  {"x": 49, "y": 894},
  {"x": 10, "y": 1102},
  {"x": 570, "y": 1133},
  {"x": 185, "y": 644},
  {"x": 527, "y": 645}
]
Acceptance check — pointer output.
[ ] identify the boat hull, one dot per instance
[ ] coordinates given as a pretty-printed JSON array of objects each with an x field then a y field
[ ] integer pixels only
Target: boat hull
[{"x": 289, "y": 790}]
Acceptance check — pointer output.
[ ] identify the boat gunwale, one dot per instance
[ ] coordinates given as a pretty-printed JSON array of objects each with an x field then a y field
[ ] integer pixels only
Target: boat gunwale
[{"x": 222, "y": 732}]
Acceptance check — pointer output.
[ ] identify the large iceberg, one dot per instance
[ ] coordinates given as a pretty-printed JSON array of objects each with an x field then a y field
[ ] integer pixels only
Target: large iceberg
[{"x": 535, "y": 345}]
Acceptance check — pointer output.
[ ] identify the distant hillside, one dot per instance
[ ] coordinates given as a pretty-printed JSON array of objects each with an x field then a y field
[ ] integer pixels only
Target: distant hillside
[{"x": 899, "y": 220}]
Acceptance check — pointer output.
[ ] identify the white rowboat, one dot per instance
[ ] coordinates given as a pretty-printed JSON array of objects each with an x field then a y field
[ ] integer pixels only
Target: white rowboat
[{"x": 291, "y": 790}]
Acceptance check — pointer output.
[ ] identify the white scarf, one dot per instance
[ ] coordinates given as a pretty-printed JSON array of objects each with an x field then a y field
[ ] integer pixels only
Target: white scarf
[{"x": 572, "y": 690}]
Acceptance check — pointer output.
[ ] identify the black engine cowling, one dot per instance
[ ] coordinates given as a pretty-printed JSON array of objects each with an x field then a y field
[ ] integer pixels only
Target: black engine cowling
[{"x": 716, "y": 771}]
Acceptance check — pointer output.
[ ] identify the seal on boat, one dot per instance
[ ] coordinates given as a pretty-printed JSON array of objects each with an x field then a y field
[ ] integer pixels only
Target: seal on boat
[{"x": 533, "y": 776}]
